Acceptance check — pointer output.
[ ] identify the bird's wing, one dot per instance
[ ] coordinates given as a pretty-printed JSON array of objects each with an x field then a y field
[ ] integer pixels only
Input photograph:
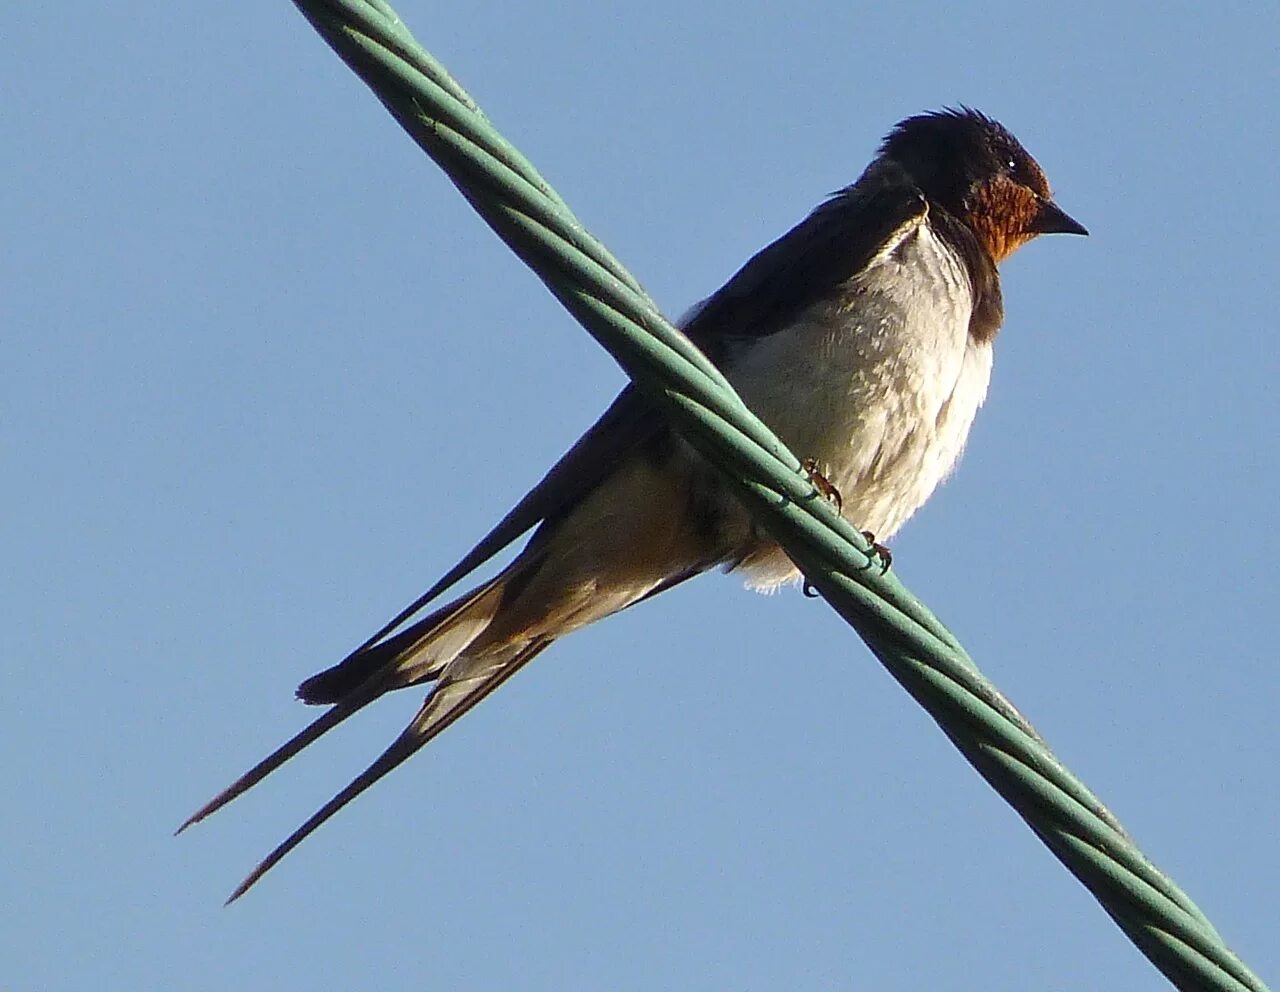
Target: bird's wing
[
  {"x": 628, "y": 422},
  {"x": 838, "y": 240},
  {"x": 835, "y": 242}
]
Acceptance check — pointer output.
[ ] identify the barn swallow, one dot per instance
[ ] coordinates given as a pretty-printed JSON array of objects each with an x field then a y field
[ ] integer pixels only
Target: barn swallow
[{"x": 862, "y": 337}]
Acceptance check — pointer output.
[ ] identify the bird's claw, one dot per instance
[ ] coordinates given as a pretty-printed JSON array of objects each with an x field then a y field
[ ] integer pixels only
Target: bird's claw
[
  {"x": 880, "y": 551},
  {"x": 822, "y": 484},
  {"x": 877, "y": 550}
]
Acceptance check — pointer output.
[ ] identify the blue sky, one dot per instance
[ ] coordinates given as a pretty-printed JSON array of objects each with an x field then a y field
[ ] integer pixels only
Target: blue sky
[{"x": 266, "y": 376}]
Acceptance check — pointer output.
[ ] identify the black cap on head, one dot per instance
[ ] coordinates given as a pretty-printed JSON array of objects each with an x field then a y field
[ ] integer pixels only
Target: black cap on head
[{"x": 949, "y": 153}]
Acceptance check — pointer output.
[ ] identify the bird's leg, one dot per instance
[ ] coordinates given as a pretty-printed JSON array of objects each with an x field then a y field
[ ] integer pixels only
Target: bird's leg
[
  {"x": 880, "y": 551},
  {"x": 821, "y": 483}
]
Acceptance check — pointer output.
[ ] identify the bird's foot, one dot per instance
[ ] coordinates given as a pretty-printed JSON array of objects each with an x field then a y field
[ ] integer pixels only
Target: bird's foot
[
  {"x": 880, "y": 551},
  {"x": 822, "y": 484}
]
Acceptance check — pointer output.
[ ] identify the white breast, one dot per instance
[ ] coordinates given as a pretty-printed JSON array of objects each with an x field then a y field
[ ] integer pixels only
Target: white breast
[{"x": 880, "y": 385}]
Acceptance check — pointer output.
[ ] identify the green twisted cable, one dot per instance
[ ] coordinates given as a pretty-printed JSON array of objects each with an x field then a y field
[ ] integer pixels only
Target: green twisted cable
[{"x": 909, "y": 641}]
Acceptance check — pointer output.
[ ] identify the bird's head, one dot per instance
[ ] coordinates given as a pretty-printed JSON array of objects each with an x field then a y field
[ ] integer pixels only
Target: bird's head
[{"x": 974, "y": 168}]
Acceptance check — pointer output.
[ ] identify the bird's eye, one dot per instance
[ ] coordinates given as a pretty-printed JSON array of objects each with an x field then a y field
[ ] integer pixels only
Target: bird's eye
[{"x": 1011, "y": 165}]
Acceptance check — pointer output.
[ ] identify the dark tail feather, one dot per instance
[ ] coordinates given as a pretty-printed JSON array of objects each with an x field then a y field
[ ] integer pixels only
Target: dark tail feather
[
  {"x": 313, "y": 731},
  {"x": 437, "y": 713},
  {"x": 334, "y": 684},
  {"x": 365, "y": 676}
]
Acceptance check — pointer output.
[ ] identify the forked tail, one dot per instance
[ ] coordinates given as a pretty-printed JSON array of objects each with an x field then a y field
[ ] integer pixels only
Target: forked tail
[{"x": 433, "y": 649}]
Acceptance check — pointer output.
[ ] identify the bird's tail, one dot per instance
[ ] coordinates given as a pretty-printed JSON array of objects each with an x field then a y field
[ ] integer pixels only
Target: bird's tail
[
  {"x": 446, "y": 647},
  {"x": 419, "y": 653}
]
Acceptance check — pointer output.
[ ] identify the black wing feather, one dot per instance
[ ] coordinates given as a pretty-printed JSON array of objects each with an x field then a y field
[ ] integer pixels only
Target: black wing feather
[{"x": 834, "y": 243}]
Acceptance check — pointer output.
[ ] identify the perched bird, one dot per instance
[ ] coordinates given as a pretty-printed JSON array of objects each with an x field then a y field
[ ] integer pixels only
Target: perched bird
[{"x": 862, "y": 337}]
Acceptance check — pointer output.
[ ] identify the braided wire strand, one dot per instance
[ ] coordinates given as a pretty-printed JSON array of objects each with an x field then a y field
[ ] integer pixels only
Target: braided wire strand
[{"x": 918, "y": 651}]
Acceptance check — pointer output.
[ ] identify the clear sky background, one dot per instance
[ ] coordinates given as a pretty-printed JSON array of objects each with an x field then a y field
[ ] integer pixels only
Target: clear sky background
[{"x": 264, "y": 376}]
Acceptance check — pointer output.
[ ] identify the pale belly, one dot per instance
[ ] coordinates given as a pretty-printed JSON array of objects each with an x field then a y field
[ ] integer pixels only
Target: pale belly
[{"x": 881, "y": 400}]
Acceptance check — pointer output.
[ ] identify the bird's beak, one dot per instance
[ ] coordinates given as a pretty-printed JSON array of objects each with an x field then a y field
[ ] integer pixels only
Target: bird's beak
[{"x": 1052, "y": 219}]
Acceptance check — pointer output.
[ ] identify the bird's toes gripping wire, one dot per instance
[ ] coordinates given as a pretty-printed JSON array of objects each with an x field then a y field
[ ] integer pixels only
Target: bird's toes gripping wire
[
  {"x": 880, "y": 551},
  {"x": 822, "y": 484},
  {"x": 877, "y": 550}
]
